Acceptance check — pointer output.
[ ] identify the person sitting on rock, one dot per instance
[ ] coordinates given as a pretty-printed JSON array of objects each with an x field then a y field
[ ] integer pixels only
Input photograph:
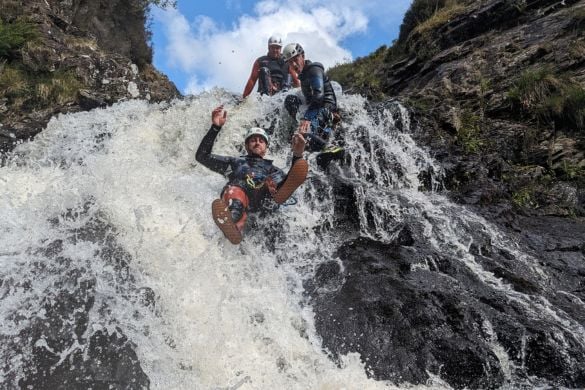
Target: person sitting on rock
[
  {"x": 322, "y": 115},
  {"x": 251, "y": 179},
  {"x": 271, "y": 72}
]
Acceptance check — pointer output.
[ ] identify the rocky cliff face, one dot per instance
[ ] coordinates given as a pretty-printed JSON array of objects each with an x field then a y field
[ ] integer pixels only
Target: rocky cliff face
[
  {"x": 78, "y": 55},
  {"x": 500, "y": 87}
]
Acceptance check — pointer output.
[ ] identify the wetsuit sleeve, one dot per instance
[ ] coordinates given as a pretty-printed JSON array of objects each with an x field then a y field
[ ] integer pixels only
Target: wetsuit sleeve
[
  {"x": 252, "y": 80},
  {"x": 216, "y": 163},
  {"x": 316, "y": 77}
]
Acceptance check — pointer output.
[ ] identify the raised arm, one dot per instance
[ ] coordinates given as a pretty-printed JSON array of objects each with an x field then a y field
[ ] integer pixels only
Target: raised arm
[
  {"x": 252, "y": 79},
  {"x": 216, "y": 163}
]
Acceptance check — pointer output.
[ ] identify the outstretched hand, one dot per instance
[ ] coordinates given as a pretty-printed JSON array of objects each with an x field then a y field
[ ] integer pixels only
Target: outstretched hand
[
  {"x": 219, "y": 116},
  {"x": 298, "y": 144}
]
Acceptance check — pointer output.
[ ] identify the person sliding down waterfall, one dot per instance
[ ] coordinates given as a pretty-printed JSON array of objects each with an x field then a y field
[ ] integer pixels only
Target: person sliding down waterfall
[
  {"x": 322, "y": 115},
  {"x": 271, "y": 72},
  {"x": 251, "y": 178}
]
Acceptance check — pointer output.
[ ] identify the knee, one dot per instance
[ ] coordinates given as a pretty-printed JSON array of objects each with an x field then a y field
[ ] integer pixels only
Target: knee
[{"x": 237, "y": 209}]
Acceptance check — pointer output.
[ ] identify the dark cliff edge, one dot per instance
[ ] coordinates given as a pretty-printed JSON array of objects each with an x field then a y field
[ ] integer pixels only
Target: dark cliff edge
[{"x": 63, "y": 56}]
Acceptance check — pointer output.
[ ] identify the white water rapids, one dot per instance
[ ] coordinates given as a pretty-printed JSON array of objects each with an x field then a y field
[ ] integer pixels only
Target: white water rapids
[{"x": 227, "y": 317}]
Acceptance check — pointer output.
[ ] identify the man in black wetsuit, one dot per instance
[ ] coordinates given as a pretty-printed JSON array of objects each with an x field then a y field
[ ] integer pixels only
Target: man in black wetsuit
[
  {"x": 251, "y": 178},
  {"x": 271, "y": 72},
  {"x": 322, "y": 115}
]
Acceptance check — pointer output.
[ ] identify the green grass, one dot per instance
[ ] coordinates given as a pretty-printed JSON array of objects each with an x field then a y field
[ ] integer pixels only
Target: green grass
[
  {"x": 577, "y": 49},
  {"x": 440, "y": 17},
  {"x": 26, "y": 90},
  {"x": 423, "y": 39},
  {"x": 524, "y": 198},
  {"x": 550, "y": 97},
  {"x": 569, "y": 171},
  {"x": 15, "y": 35},
  {"x": 469, "y": 132},
  {"x": 421, "y": 103},
  {"x": 426, "y": 12},
  {"x": 360, "y": 74},
  {"x": 573, "y": 103}
]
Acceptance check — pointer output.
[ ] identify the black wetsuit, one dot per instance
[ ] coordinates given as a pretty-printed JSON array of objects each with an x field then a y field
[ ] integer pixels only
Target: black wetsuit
[
  {"x": 246, "y": 172},
  {"x": 322, "y": 104},
  {"x": 316, "y": 87},
  {"x": 274, "y": 69}
]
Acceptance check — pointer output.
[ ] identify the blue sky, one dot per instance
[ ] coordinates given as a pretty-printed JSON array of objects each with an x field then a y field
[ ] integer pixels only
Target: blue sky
[{"x": 203, "y": 44}]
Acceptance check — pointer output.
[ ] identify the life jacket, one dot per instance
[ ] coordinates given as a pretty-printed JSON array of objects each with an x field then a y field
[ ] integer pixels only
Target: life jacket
[
  {"x": 278, "y": 70},
  {"x": 250, "y": 173},
  {"x": 329, "y": 100}
]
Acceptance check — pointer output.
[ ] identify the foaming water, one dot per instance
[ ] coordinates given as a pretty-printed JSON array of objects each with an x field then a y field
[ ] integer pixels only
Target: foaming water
[{"x": 226, "y": 316}]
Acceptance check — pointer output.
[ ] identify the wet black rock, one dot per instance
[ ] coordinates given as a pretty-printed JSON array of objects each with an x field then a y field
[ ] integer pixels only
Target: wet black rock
[
  {"x": 66, "y": 339},
  {"x": 410, "y": 311},
  {"x": 107, "y": 362}
]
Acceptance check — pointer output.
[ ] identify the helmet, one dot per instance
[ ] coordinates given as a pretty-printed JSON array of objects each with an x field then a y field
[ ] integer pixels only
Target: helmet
[
  {"x": 274, "y": 40},
  {"x": 256, "y": 131},
  {"x": 292, "y": 50}
]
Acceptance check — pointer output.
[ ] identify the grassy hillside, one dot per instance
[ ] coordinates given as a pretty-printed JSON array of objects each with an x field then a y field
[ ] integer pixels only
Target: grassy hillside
[{"x": 500, "y": 86}]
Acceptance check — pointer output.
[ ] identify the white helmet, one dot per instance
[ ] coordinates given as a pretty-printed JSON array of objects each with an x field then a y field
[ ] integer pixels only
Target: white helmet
[
  {"x": 274, "y": 41},
  {"x": 256, "y": 131},
  {"x": 292, "y": 50}
]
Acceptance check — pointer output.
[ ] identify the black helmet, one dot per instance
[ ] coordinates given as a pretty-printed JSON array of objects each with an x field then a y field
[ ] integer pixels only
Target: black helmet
[{"x": 292, "y": 50}]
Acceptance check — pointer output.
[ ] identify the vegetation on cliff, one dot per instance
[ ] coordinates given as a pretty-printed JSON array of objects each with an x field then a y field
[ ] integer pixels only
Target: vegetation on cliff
[
  {"x": 13, "y": 35},
  {"x": 24, "y": 88},
  {"x": 420, "y": 21},
  {"x": 500, "y": 86},
  {"x": 60, "y": 57}
]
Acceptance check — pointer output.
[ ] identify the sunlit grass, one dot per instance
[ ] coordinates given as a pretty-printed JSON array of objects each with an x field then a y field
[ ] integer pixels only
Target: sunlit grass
[
  {"x": 442, "y": 16},
  {"x": 27, "y": 89},
  {"x": 550, "y": 97}
]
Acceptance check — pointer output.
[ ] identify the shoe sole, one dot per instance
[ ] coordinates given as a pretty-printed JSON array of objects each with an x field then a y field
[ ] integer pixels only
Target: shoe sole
[
  {"x": 296, "y": 177},
  {"x": 223, "y": 219}
]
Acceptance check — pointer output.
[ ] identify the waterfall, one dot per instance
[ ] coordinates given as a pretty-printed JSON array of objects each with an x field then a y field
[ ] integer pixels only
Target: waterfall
[{"x": 106, "y": 225}]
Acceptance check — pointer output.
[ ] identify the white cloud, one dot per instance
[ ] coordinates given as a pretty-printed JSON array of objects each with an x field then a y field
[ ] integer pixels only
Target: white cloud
[{"x": 215, "y": 56}]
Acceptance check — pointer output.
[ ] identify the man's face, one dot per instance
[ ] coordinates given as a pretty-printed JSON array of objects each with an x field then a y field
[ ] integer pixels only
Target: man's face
[
  {"x": 297, "y": 63},
  {"x": 256, "y": 145},
  {"x": 274, "y": 51}
]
